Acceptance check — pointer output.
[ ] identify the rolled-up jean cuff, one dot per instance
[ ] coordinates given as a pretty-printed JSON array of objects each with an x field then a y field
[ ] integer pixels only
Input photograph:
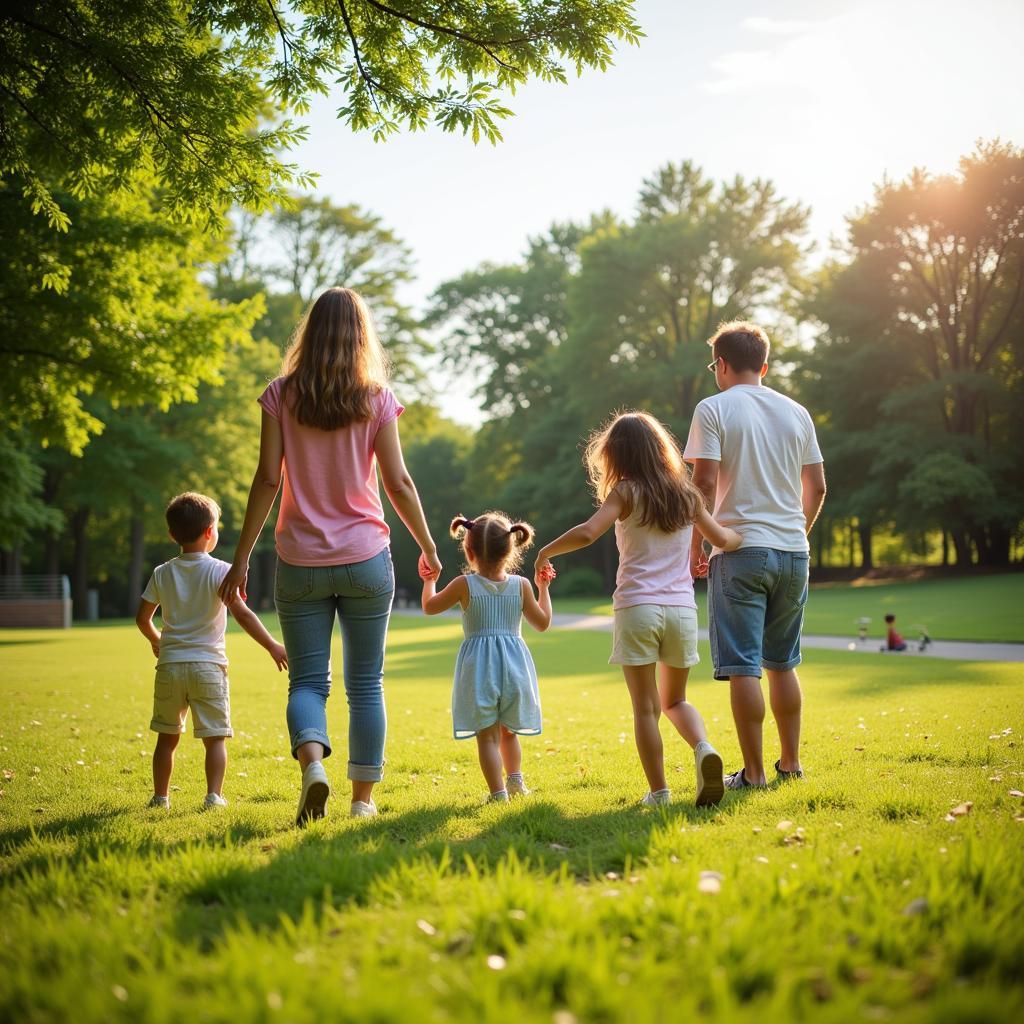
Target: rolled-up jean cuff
[
  {"x": 311, "y": 736},
  {"x": 783, "y": 666},
  {"x": 365, "y": 772},
  {"x": 725, "y": 671}
]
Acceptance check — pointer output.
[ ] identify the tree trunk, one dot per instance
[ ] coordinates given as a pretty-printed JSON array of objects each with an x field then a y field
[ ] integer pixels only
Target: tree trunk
[
  {"x": 864, "y": 533},
  {"x": 80, "y": 563},
  {"x": 962, "y": 547},
  {"x": 849, "y": 544},
  {"x": 137, "y": 548},
  {"x": 945, "y": 548}
]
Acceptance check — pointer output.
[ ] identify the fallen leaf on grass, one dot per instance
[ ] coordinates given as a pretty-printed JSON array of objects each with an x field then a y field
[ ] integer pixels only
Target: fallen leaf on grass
[
  {"x": 762, "y": 860},
  {"x": 1016, "y": 793},
  {"x": 959, "y": 811},
  {"x": 8, "y": 774},
  {"x": 612, "y": 876},
  {"x": 120, "y": 993},
  {"x": 426, "y": 927},
  {"x": 267, "y": 847},
  {"x": 784, "y": 826},
  {"x": 558, "y": 846}
]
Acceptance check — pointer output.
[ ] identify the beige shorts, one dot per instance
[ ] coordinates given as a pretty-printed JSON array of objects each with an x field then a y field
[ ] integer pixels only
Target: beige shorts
[
  {"x": 199, "y": 685},
  {"x": 646, "y": 633}
]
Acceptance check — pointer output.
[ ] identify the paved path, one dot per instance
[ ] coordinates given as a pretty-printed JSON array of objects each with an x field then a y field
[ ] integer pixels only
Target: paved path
[{"x": 956, "y": 649}]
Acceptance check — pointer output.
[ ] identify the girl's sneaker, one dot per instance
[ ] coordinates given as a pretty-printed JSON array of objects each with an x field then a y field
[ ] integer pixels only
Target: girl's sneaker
[
  {"x": 515, "y": 785},
  {"x": 163, "y": 802},
  {"x": 314, "y": 793},
  {"x": 660, "y": 799},
  {"x": 710, "y": 782},
  {"x": 214, "y": 800},
  {"x": 501, "y": 797},
  {"x": 363, "y": 809}
]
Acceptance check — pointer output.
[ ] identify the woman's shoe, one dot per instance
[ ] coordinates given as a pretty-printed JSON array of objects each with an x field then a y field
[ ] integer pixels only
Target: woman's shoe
[{"x": 314, "y": 793}]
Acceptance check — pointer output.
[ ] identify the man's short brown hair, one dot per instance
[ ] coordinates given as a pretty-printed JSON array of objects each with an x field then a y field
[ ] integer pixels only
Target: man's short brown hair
[
  {"x": 743, "y": 345},
  {"x": 189, "y": 515}
]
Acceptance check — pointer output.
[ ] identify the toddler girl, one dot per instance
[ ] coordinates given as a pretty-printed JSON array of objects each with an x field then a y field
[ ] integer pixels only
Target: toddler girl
[
  {"x": 495, "y": 694},
  {"x": 641, "y": 481}
]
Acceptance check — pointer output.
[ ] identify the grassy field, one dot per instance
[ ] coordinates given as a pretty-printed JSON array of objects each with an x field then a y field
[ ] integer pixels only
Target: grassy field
[
  {"x": 849, "y": 896},
  {"x": 974, "y": 608}
]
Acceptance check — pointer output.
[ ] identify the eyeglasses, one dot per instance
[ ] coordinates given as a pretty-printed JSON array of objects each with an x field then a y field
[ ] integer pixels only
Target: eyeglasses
[{"x": 713, "y": 365}]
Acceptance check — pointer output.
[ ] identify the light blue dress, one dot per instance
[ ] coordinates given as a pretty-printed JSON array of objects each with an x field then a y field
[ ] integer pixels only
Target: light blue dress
[{"x": 495, "y": 678}]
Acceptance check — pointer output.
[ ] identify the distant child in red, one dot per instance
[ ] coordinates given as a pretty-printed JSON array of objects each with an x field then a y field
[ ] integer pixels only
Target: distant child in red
[{"x": 894, "y": 641}]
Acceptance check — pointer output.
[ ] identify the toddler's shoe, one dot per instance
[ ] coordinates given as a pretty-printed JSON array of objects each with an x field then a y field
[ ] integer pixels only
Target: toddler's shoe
[
  {"x": 363, "y": 809},
  {"x": 160, "y": 801},
  {"x": 501, "y": 797},
  {"x": 214, "y": 800},
  {"x": 710, "y": 782},
  {"x": 314, "y": 793},
  {"x": 660, "y": 799},
  {"x": 515, "y": 785}
]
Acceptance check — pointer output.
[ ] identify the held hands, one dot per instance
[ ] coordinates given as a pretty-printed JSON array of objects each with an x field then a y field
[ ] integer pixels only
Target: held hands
[
  {"x": 234, "y": 583},
  {"x": 280, "y": 656},
  {"x": 429, "y": 567},
  {"x": 543, "y": 573},
  {"x": 698, "y": 564}
]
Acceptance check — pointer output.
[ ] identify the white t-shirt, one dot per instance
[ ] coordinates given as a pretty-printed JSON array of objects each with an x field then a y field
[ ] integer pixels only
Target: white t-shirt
[
  {"x": 194, "y": 616},
  {"x": 762, "y": 440}
]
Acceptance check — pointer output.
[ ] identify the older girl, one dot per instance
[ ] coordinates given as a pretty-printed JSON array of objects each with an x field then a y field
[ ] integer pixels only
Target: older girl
[
  {"x": 641, "y": 482},
  {"x": 328, "y": 421}
]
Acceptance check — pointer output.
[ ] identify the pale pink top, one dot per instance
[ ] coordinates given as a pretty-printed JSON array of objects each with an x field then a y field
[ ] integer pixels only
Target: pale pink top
[
  {"x": 654, "y": 567},
  {"x": 331, "y": 512}
]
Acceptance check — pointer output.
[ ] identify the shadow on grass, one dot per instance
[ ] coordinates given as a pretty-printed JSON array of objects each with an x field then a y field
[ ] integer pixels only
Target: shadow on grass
[
  {"x": 339, "y": 869},
  {"x": 4, "y": 642}
]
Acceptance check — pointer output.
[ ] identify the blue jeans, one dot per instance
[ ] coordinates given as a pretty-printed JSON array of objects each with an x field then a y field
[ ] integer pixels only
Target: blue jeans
[
  {"x": 307, "y": 599},
  {"x": 756, "y": 599}
]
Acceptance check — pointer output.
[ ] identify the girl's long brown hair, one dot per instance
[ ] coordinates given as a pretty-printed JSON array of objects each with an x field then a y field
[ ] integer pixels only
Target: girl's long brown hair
[
  {"x": 335, "y": 364},
  {"x": 635, "y": 448}
]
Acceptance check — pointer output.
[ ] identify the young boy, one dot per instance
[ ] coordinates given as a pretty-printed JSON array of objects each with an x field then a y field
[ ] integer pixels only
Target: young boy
[{"x": 191, "y": 669}]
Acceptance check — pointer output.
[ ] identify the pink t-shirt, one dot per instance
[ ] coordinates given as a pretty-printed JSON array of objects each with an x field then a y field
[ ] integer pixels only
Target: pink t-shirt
[{"x": 331, "y": 512}]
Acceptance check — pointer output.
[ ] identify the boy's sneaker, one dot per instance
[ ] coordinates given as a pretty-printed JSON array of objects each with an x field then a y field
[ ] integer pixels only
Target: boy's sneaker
[
  {"x": 314, "y": 793},
  {"x": 796, "y": 773},
  {"x": 363, "y": 809},
  {"x": 160, "y": 801},
  {"x": 515, "y": 786},
  {"x": 214, "y": 800},
  {"x": 710, "y": 782},
  {"x": 660, "y": 799}
]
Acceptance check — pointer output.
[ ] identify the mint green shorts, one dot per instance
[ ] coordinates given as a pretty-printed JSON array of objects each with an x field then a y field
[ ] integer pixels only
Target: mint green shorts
[{"x": 647, "y": 633}]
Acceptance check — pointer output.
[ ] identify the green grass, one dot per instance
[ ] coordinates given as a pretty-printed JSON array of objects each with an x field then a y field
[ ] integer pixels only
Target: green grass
[
  {"x": 984, "y": 608},
  {"x": 868, "y": 905}
]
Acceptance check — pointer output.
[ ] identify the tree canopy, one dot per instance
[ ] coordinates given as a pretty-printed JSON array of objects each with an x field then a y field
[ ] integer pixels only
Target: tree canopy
[{"x": 203, "y": 94}]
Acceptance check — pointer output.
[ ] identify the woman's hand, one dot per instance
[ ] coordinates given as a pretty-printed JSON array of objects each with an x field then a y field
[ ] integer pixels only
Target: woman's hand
[
  {"x": 234, "y": 583},
  {"x": 429, "y": 566}
]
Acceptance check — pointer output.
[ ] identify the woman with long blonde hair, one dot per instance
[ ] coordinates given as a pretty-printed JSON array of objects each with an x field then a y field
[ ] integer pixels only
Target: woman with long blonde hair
[{"x": 329, "y": 421}]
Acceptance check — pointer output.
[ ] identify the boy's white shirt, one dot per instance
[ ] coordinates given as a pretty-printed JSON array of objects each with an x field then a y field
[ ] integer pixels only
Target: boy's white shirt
[
  {"x": 762, "y": 440},
  {"x": 194, "y": 616}
]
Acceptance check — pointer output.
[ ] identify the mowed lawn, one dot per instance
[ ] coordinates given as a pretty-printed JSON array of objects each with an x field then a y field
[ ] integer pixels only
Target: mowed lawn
[
  {"x": 983, "y": 608},
  {"x": 854, "y": 895}
]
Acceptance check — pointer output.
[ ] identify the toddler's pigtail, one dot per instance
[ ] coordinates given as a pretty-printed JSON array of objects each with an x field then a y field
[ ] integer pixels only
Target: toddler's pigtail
[
  {"x": 459, "y": 527},
  {"x": 522, "y": 534}
]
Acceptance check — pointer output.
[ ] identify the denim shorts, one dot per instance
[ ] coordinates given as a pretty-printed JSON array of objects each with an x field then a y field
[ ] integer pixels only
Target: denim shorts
[{"x": 756, "y": 599}]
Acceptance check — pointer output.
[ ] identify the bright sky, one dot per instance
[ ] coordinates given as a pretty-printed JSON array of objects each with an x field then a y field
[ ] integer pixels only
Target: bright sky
[{"x": 825, "y": 97}]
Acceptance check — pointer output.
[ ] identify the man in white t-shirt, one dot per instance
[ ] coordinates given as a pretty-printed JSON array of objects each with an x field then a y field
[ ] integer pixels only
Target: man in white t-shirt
[{"x": 756, "y": 459}]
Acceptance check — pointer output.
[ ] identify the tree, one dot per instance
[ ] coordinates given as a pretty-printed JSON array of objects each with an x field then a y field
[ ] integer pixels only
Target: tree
[
  {"x": 94, "y": 91},
  {"x": 944, "y": 316},
  {"x": 133, "y": 325}
]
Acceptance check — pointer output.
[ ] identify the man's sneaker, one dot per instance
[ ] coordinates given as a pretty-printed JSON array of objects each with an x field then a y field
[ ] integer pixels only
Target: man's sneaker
[
  {"x": 660, "y": 799},
  {"x": 739, "y": 781},
  {"x": 160, "y": 801},
  {"x": 363, "y": 809},
  {"x": 710, "y": 782},
  {"x": 797, "y": 773},
  {"x": 515, "y": 786},
  {"x": 314, "y": 793},
  {"x": 214, "y": 800}
]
